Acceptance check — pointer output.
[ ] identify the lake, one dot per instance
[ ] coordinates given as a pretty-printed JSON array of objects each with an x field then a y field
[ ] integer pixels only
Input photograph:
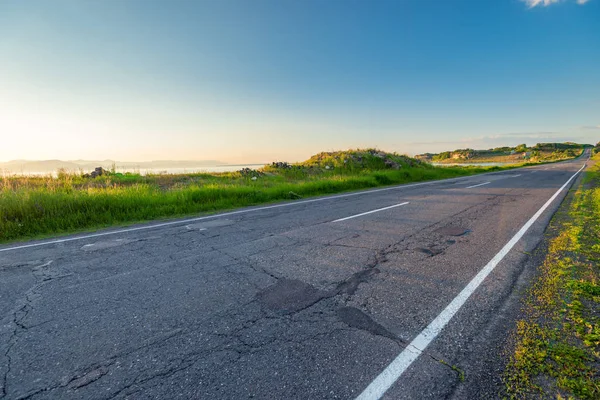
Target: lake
[{"x": 146, "y": 171}]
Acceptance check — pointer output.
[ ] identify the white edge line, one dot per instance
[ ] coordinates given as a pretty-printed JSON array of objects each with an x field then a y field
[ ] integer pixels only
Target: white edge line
[
  {"x": 474, "y": 186},
  {"x": 248, "y": 210},
  {"x": 396, "y": 368},
  {"x": 371, "y": 212}
]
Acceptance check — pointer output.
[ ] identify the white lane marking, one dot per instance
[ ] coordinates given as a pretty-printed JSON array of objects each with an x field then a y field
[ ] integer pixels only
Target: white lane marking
[
  {"x": 510, "y": 176},
  {"x": 390, "y": 375},
  {"x": 189, "y": 227},
  {"x": 370, "y": 212},
  {"x": 44, "y": 265},
  {"x": 474, "y": 186}
]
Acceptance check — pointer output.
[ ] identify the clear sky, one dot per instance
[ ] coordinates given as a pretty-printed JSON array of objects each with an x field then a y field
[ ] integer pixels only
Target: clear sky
[{"x": 255, "y": 80}]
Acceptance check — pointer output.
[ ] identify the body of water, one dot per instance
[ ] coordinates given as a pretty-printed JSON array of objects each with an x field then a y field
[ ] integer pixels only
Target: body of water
[
  {"x": 146, "y": 171},
  {"x": 214, "y": 168}
]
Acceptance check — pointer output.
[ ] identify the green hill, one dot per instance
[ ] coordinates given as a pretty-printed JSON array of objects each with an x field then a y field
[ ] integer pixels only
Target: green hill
[{"x": 521, "y": 153}]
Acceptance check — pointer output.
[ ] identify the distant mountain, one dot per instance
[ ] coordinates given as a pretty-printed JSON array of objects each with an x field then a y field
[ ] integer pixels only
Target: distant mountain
[
  {"x": 25, "y": 166},
  {"x": 48, "y": 166}
]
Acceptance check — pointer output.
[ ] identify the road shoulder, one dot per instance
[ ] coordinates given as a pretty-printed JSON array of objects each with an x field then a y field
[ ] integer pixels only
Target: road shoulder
[
  {"x": 492, "y": 351},
  {"x": 554, "y": 346}
]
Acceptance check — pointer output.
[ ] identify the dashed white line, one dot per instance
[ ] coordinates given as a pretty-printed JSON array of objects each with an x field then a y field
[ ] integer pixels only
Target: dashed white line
[
  {"x": 390, "y": 375},
  {"x": 474, "y": 186},
  {"x": 370, "y": 212}
]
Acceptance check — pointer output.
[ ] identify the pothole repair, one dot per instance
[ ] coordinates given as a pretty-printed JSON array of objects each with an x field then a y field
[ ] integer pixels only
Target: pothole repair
[
  {"x": 430, "y": 252},
  {"x": 453, "y": 231},
  {"x": 351, "y": 285},
  {"x": 290, "y": 295},
  {"x": 355, "y": 318}
]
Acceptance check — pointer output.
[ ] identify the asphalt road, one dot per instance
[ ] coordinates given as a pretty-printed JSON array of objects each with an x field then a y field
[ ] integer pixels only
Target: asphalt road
[{"x": 294, "y": 301}]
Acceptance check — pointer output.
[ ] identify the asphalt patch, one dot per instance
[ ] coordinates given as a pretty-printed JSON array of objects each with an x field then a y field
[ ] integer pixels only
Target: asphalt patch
[
  {"x": 429, "y": 252},
  {"x": 350, "y": 286},
  {"x": 288, "y": 296},
  {"x": 355, "y": 318},
  {"x": 453, "y": 231}
]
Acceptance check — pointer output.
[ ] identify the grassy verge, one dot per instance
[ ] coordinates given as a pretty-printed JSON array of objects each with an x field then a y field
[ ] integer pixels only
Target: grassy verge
[
  {"x": 541, "y": 152},
  {"x": 34, "y": 207},
  {"x": 557, "y": 350},
  {"x": 538, "y": 157}
]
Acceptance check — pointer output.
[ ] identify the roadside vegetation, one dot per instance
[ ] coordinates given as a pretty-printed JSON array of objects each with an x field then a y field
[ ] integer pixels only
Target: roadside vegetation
[
  {"x": 557, "y": 349},
  {"x": 32, "y": 207},
  {"x": 541, "y": 152}
]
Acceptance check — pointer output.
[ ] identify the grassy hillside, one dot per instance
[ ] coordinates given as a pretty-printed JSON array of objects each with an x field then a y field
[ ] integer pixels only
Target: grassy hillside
[
  {"x": 541, "y": 152},
  {"x": 38, "y": 206}
]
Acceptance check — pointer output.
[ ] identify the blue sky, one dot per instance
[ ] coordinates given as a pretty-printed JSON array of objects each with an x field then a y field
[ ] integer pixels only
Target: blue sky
[{"x": 254, "y": 81}]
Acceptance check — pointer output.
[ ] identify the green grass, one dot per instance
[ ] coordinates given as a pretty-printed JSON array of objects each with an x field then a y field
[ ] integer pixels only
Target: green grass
[
  {"x": 33, "y": 207},
  {"x": 537, "y": 157},
  {"x": 557, "y": 350},
  {"x": 542, "y": 152}
]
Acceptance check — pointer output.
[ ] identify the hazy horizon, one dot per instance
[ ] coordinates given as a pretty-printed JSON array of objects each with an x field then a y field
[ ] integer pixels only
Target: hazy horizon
[
  {"x": 252, "y": 82},
  {"x": 219, "y": 162},
  {"x": 37, "y": 167}
]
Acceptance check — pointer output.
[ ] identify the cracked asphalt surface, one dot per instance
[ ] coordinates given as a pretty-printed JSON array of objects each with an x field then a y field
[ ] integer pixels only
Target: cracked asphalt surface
[{"x": 276, "y": 303}]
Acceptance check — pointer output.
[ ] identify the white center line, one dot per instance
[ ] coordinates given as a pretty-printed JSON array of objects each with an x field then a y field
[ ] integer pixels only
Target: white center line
[
  {"x": 474, "y": 186},
  {"x": 370, "y": 212},
  {"x": 390, "y": 375}
]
